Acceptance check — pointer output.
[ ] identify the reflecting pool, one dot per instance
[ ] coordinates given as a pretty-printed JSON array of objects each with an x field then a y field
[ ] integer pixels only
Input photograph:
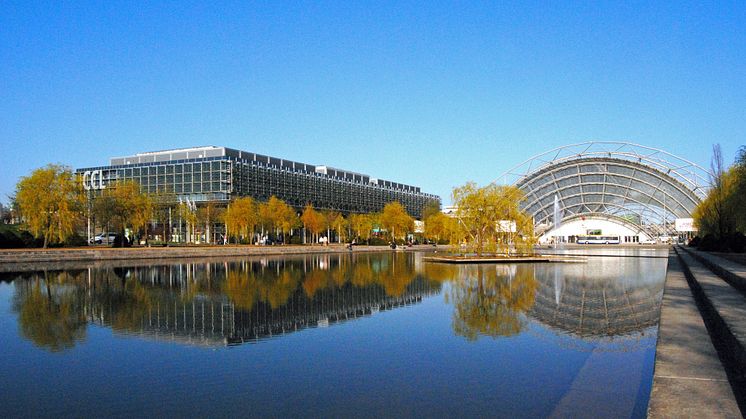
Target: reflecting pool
[{"x": 362, "y": 335}]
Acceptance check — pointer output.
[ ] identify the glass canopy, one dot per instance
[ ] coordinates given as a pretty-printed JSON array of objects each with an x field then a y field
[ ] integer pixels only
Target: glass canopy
[{"x": 641, "y": 185}]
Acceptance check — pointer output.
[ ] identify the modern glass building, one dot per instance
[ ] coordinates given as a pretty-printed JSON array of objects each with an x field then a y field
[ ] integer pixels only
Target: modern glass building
[
  {"x": 637, "y": 192},
  {"x": 217, "y": 174}
]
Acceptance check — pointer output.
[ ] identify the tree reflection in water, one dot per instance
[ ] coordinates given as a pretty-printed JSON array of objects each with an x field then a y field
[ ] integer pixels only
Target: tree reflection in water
[
  {"x": 49, "y": 311},
  {"x": 219, "y": 302},
  {"x": 492, "y": 300},
  {"x": 215, "y": 303}
]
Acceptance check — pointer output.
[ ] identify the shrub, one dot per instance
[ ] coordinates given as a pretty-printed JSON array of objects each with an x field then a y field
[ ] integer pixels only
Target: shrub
[
  {"x": 76, "y": 240},
  {"x": 736, "y": 242},
  {"x": 710, "y": 244},
  {"x": 11, "y": 237},
  {"x": 377, "y": 241}
]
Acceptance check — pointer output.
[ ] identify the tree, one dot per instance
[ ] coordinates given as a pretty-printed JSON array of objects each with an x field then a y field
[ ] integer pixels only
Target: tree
[
  {"x": 277, "y": 217},
  {"x": 207, "y": 215},
  {"x": 284, "y": 217},
  {"x": 739, "y": 197},
  {"x": 241, "y": 217},
  {"x": 491, "y": 219},
  {"x": 313, "y": 221},
  {"x": 124, "y": 205},
  {"x": 718, "y": 214},
  {"x": 430, "y": 209},
  {"x": 50, "y": 202},
  {"x": 396, "y": 220},
  {"x": 439, "y": 226},
  {"x": 339, "y": 224},
  {"x": 361, "y": 225},
  {"x": 329, "y": 218},
  {"x": 188, "y": 213}
]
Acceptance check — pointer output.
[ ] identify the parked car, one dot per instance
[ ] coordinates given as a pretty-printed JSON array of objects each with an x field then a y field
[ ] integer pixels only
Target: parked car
[
  {"x": 107, "y": 238},
  {"x": 648, "y": 241}
]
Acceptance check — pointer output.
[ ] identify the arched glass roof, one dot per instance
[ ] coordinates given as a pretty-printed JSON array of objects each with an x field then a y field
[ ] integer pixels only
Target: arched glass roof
[{"x": 646, "y": 186}]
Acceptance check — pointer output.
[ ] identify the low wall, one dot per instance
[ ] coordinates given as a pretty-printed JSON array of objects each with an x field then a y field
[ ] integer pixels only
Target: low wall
[{"x": 106, "y": 253}]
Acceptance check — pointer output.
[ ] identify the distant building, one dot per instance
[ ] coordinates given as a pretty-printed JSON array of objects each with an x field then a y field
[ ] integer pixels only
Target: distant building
[{"x": 218, "y": 174}]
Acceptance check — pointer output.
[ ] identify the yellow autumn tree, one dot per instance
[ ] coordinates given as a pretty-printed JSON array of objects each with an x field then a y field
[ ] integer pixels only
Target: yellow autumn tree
[
  {"x": 241, "y": 217},
  {"x": 396, "y": 220},
  {"x": 361, "y": 225},
  {"x": 122, "y": 205},
  {"x": 284, "y": 218},
  {"x": 339, "y": 224},
  {"x": 721, "y": 212},
  {"x": 50, "y": 201},
  {"x": 439, "y": 226},
  {"x": 491, "y": 220},
  {"x": 313, "y": 222}
]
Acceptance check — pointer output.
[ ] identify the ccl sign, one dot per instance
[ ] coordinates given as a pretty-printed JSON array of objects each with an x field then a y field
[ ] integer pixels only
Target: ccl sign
[{"x": 93, "y": 179}]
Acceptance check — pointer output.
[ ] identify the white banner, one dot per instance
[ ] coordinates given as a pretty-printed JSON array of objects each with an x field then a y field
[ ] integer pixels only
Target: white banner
[{"x": 684, "y": 225}]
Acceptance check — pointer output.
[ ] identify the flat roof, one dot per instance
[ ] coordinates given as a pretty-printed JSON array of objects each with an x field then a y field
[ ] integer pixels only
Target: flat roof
[{"x": 198, "y": 152}]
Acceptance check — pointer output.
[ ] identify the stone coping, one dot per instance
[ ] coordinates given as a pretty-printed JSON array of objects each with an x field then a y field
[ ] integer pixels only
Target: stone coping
[{"x": 16, "y": 256}]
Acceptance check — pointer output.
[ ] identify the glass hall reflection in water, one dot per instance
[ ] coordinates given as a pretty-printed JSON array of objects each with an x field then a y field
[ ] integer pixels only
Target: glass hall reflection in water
[{"x": 519, "y": 322}]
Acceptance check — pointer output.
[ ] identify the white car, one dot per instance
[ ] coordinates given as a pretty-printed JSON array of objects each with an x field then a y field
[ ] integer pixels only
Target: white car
[
  {"x": 103, "y": 238},
  {"x": 648, "y": 241}
]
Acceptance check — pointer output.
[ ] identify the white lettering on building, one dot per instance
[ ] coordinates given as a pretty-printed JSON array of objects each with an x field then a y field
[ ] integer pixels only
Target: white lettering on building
[{"x": 93, "y": 179}]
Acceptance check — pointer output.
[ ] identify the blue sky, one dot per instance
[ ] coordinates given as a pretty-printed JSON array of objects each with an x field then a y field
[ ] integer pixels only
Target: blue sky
[{"x": 431, "y": 94}]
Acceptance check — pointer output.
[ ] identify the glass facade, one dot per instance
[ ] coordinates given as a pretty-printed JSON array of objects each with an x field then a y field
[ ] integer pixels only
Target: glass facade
[
  {"x": 217, "y": 174},
  {"x": 615, "y": 187}
]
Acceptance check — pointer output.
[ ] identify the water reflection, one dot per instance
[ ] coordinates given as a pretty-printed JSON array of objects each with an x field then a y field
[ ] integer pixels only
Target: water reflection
[
  {"x": 492, "y": 300},
  {"x": 593, "y": 300},
  {"x": 214, "y": 303},
  {"x": 231, "y": 302},
  {"x": 51, "y": 316}
]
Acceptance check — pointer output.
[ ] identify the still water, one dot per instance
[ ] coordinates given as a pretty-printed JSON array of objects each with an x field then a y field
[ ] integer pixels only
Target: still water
[{"x": 363, "y": 335}]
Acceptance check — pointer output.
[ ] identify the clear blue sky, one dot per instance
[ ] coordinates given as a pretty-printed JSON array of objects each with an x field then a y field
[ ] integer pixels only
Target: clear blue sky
[{"x": 430, "y": 94}]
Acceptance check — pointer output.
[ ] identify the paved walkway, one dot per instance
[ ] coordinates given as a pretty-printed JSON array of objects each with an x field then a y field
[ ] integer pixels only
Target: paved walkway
[{"x": 689, "y": 379}]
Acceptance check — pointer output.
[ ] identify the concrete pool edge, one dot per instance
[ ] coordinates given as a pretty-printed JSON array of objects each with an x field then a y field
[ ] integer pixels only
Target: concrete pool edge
[{"x": 688, "y": 380}]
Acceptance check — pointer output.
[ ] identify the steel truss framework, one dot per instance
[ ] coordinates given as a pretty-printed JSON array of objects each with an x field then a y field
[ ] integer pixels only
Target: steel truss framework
[{"x": 643, "y": 186}]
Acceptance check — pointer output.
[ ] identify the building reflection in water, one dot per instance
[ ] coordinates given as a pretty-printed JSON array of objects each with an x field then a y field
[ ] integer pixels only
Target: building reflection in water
[
  {"x": 599, "y": 300},
  {"x": 231, "y": 302},
  {"x": 215, "y": 303}
]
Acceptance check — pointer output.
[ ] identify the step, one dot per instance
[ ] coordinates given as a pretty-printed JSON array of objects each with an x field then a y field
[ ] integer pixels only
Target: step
[
  {"x": 725, "y": 306},
  {"x": 689, "y": 380},
  {"x": 734, "y": 273}
]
